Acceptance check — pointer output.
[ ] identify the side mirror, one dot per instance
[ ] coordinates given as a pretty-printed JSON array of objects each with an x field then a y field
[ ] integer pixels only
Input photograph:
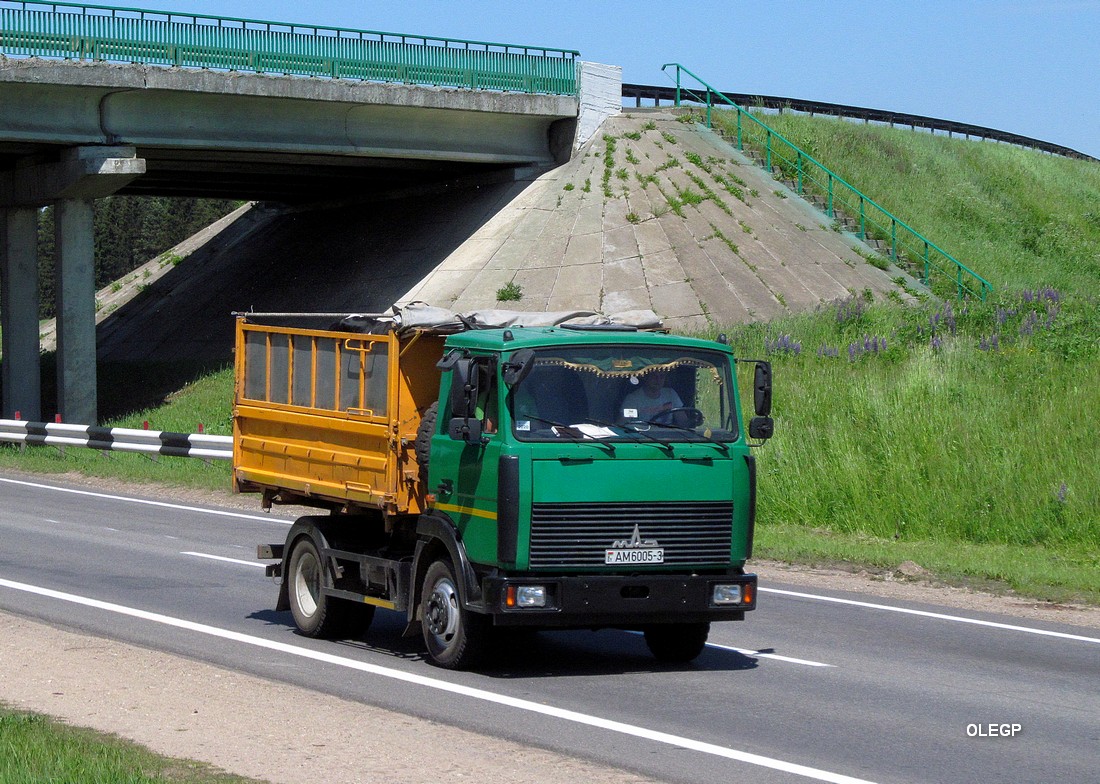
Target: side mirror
[
  {"x": 518, "y": 367},
  {"x": 465, "y": 429},
  {"x": 449, "y": 359},
  {"x": 762, "y": 389},
  {"x": 761, "y": 427},
  {"x": 463, "y": 388}
]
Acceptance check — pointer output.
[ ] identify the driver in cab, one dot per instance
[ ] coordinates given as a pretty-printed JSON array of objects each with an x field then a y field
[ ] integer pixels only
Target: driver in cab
[{"x": 651, "y": 399}]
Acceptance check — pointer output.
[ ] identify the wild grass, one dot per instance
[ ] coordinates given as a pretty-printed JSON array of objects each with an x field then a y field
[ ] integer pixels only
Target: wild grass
[
  {"x": 34, "y": 749},
  {"x": 1018, "y": 217},
  {"x": 935, "y": 432},
  {"x": 207, "y": 400}
]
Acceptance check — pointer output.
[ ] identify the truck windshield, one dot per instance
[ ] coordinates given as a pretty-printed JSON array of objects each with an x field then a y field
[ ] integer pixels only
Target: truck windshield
[{"x": 625, "y": 393}]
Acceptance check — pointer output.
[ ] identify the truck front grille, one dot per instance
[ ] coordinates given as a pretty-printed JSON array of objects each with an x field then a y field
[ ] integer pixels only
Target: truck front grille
[{"x": 576, "y": 535}]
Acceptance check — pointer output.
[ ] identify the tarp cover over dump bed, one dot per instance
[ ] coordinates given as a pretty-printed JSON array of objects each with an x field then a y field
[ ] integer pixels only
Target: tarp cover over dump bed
[{"x": 419, "y": 316}]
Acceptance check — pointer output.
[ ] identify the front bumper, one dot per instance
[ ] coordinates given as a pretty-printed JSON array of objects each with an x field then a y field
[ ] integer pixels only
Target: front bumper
[{"x": 620, "y": 601}]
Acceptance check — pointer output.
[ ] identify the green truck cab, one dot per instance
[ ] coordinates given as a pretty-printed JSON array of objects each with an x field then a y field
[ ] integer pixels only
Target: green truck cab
[{"x": 565, "y": 477}]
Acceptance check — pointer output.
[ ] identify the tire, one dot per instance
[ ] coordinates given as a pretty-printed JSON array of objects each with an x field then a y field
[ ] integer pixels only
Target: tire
[
  {"x": 677, "y": 643},
  {"x": 423, "y": 444},
  {"x": 315, "y": 614},
  {"x": 456, "y": 638}
]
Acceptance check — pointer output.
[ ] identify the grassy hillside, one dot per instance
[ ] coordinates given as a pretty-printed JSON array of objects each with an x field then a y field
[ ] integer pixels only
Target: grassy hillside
[
  {"x": 961, "y": 436},
  {"x": 965, "y": 444},
  {"x": 1018, "y": 217},
  {"x": 957, "y": 436}
]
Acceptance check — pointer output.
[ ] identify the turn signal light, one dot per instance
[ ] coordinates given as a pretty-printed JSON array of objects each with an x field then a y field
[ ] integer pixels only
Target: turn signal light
[
  {"x": 525, "y": 596},
  {"x": 727, "y": 594}
]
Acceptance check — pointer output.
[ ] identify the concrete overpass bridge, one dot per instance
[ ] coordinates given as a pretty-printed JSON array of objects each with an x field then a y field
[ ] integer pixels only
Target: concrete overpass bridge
[{"x": 97, "y": 101}]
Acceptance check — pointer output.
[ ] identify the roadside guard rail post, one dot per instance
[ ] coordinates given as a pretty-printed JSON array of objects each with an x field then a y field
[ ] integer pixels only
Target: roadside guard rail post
[
  {"x": 90, "y": 32},
  {"x": 787, "y": 160},
  {"x": 151, "y": 442}
]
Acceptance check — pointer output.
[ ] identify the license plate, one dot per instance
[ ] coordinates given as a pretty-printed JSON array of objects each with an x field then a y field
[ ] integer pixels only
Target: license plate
[{"x": 635, "y": 555}]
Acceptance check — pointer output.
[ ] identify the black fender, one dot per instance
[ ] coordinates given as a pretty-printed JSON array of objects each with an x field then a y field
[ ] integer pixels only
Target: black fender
[
  {"x": 437, "y": 533},
  {"x": 313, "y": 527}
]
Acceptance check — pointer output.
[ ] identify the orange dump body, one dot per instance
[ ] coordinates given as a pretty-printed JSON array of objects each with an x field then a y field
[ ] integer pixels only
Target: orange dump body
[{"x": 329, "y": 418}]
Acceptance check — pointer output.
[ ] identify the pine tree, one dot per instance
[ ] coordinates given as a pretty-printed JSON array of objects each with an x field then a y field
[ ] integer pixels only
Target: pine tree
[{"x": 129, "y": 231}]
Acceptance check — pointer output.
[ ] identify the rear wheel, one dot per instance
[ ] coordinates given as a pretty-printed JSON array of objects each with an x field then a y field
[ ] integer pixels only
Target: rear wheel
[
  {"x": 677, "y": 642},
  {"x": 315, "y": 614},
  {"x": 456, "y": 638}
]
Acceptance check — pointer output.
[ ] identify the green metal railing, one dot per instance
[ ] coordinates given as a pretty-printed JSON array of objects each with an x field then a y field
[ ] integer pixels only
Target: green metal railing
[
  {"x": 873, "y": 221},
  {"x": 90, "y": 32}
]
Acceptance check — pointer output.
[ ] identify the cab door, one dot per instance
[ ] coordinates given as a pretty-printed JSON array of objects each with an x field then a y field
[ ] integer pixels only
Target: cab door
[{"x": 465, "y": 454}]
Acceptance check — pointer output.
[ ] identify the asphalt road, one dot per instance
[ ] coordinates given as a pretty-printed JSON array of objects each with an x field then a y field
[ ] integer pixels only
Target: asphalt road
[{"x": 813, "y": 686}]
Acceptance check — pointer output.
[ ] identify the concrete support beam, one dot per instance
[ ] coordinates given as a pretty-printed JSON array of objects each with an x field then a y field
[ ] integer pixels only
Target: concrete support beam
[
  {"x": 81, "y": 173},
  {"x": 21, "y": 382},
  {"x": 74, "y": 274}
]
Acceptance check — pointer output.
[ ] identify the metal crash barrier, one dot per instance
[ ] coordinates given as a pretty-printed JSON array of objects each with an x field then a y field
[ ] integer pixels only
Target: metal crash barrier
[{"x": 120, "y": 439}]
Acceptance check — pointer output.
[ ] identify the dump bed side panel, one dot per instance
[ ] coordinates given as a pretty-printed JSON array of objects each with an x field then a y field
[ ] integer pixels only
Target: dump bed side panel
[{"x": 320, "y": 413}]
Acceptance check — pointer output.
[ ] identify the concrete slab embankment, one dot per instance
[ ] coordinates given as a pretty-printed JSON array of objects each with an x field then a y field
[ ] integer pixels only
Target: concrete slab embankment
[{"x": 673, "y": 219}]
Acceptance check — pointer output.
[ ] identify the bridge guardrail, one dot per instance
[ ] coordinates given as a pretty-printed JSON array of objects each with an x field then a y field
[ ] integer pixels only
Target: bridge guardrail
[
  {"x": 788, "y": 161},
  {"x": 658, "y": 93},
  {"x": 155, "y": 442},
  {"x": 92, "y": 32}
]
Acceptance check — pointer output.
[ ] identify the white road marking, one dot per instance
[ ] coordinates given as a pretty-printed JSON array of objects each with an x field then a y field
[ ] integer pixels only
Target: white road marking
[
  {"x": 835, "y": 600},
  {"x": 164, "y": 504},
  {"x": 939, "y": 616},
  {"x": 433, "y": 683},
  {"x": 776, "y": 656},
  {"x": 760, "y": 654},
  {"x": 223, "y": 558}
]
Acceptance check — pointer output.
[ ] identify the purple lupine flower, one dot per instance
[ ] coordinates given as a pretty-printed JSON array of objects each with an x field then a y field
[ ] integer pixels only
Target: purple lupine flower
[
  {"x": 937, "y": 343},
  {"x": 1063, "y": 491},
  {"x": 1050, "y": 294},
  {"x": 784, "y": 344}
]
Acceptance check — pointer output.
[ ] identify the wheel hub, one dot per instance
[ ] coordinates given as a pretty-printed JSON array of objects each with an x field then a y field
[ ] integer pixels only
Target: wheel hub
[{"x": 442, "y": 610}]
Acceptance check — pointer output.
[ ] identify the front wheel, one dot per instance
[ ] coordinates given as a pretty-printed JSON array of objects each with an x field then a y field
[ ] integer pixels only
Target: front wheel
[
  {"x": 315, "y": 614},
  {"x": 456, "y": 638},
  {"x": 677, "y": 642}
]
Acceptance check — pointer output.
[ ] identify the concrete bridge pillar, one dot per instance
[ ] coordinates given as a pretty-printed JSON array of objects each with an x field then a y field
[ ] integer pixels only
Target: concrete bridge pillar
[
  {"x": 71, "y": 183},
  {"x": 19, "y": 313},
  {"x": 74, "y": 284}
]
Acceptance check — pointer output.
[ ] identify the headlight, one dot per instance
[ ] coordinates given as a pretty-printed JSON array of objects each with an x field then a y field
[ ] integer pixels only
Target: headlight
[
  {"x": 525, "y": 596},
  {"x": 726, "y": 594}
]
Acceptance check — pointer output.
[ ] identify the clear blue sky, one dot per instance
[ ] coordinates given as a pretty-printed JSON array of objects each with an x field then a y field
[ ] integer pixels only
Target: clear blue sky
[{"x": 1026, "y": 66}]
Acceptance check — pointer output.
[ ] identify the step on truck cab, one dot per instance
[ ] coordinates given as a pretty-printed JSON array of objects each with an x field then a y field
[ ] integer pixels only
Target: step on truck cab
[{"x": 520, "y": 473}]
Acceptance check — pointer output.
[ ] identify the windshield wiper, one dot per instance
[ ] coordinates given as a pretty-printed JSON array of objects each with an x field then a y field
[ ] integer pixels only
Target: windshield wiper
[
  {"x": 721, "y": 445},
  {"x": 664, "y": 445},
  {"x": 568, "y": 431}
]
